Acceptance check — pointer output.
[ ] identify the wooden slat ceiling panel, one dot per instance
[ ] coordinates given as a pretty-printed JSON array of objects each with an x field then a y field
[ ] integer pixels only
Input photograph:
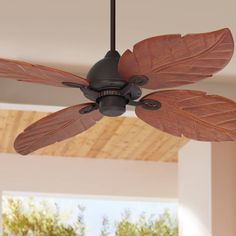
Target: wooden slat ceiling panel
[{"x": 115, "y": 138}]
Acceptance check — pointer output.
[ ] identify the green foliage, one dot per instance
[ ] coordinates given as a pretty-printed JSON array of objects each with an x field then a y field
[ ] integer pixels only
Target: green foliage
[
  {"x": 19, "y": 221},
  {"x": 125, "y": 227},
  {"x": 44, "y": 219},
  {"x": 162, "y": 226}
]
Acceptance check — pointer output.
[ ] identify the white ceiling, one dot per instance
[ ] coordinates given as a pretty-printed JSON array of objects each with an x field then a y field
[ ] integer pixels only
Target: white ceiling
[{"x": 74, "y": 34}]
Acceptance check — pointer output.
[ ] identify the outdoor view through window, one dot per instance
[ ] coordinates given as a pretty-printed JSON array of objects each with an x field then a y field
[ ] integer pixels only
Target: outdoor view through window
[{"x": 55, "y": 215}]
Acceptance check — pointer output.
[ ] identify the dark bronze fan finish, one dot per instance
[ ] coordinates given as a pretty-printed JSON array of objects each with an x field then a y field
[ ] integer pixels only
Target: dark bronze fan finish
[
  {"x": 107, "y": 88},
  {"x": 116, "y": 81}
]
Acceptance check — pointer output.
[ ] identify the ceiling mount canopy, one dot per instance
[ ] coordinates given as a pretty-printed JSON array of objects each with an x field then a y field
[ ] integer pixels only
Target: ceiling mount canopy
[{"x": 116, "y": 81}]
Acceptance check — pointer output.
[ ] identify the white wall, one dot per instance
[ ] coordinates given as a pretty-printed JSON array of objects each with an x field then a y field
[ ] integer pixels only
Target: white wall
[
  {"x": 88, "y": 176},
  {"x": 195, "y": 189}
]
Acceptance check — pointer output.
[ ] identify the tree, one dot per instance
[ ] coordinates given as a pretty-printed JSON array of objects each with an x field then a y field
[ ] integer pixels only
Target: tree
[
  {"x": 164, "y": 225},
  {"x": 125, "y": 227},
  {"x": 29, "y": 220}
]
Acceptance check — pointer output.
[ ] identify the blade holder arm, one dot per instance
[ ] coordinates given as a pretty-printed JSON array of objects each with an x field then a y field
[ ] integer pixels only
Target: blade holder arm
[
  {"x": 148, "y": 104},
  {"x": 89, "y": 108}
]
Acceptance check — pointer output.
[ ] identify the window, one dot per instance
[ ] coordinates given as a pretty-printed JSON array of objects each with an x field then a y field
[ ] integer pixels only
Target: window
[{"x": 86, "y": 216}]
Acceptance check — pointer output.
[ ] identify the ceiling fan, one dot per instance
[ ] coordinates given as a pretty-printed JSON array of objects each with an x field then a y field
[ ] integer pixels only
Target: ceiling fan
[{"x": 116, "y": 81}]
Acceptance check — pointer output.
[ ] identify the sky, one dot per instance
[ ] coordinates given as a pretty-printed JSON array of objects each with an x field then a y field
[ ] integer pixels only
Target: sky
[{"x": 97, "y": 208}]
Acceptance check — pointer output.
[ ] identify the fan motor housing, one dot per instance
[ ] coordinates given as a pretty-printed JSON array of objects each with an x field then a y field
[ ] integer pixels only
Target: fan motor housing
[
  {"x": 104, "y": 74},
  {"x": 105, "y": 78}
]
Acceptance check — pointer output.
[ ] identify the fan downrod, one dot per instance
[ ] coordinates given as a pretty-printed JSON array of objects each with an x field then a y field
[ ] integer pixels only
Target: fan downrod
[{"x": 106, "y": 88}]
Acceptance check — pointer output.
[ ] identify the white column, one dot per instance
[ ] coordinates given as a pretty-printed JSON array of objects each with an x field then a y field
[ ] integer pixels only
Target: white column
[
  {"x": 195, "y": 189},
  {"x": 224, "y": 189}
]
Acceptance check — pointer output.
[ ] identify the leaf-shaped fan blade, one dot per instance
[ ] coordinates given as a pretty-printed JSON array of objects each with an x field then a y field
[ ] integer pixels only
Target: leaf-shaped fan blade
[
  {"x": 55, "y": 127},
  {"x": 23, "y": 71},
  {"x": 192, "y": 114},
  {"x": 171, "y": 60}
]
